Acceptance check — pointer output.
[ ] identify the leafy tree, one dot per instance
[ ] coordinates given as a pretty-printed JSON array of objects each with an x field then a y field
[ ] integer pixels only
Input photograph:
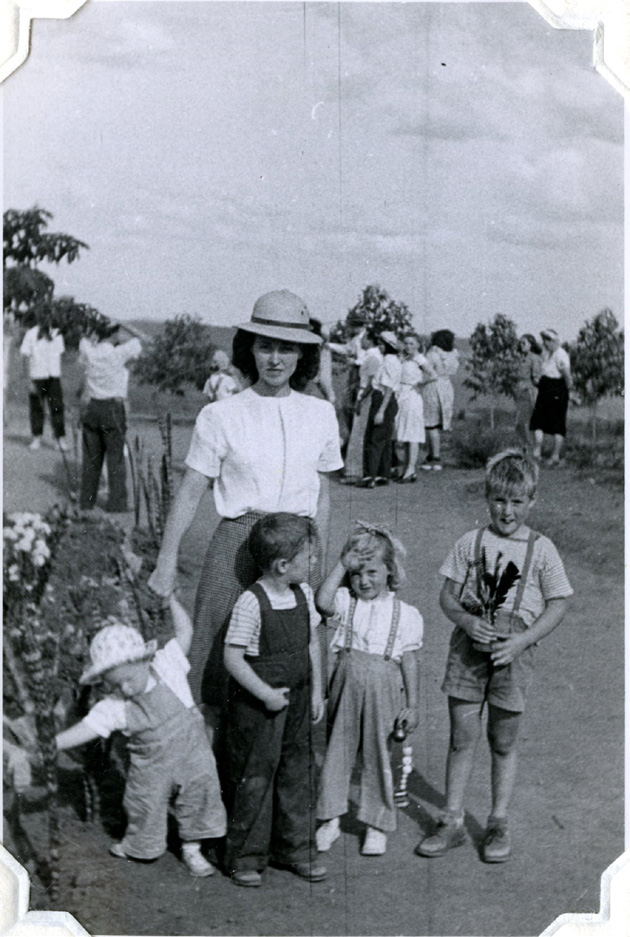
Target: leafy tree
[
  {"x": 493, "y": 365},
  {"x": 597, "y": 362},
  {"x": 74, "y": 319},
  {"x": 179, "y": 356},
  {"x": 27, "y": 290},
  {"x": 383, "y": 314}
]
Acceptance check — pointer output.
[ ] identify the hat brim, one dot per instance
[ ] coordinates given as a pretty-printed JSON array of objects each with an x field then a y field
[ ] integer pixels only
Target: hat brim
[
  {"x": 95, "y": 671},
  {"x": 283, "y": 332}
]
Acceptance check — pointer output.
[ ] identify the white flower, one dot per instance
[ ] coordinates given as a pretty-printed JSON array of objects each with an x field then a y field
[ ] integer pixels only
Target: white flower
[
  {"x": 39, "y": 560},
  {"x": 8, "y": 533},
  {"x": 24, "y": 545},
  {"x": 14, "y": 573}
]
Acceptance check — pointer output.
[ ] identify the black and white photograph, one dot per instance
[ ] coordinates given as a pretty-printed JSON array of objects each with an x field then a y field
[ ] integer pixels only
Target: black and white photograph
[{"x": 313, "y": 468}]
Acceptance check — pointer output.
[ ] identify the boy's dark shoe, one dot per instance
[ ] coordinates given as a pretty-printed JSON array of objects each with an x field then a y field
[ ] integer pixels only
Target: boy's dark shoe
[
  {"x": 247, "y": 879},
  {"x": 449, "y": 832},
  {"x": 496, "y": 845},
  {"x": 311, "y": 871}
]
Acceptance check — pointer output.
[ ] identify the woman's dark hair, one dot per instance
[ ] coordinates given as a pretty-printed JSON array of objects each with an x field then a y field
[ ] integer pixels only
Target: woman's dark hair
[
  {"x": 243, "y": 359},
  {"x": 315, "y": 326},
  {"x": 533, "y": 343},
  {"x": 444, "y": 339}
]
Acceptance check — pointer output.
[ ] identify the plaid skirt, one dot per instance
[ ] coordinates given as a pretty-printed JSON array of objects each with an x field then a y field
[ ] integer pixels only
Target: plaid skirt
[{"x": 228, "y": 570}]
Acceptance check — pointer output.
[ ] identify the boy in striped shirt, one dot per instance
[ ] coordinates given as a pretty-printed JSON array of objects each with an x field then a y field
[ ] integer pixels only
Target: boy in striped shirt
[{"x": 495, "y": 663}]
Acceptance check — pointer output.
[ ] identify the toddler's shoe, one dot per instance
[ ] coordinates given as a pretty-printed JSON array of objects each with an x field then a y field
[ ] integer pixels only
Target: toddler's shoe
[
  {"x": 449, "y": 833},
  {"x": 375, "y": 842},
  {"x": 327, "y": 834},
  {"x": 116, "y": 850},
  {"x": 36, "y": 444},
  {"x": 496, "y": 844},
  {"x": 196, "y": 864},
  {"x": 311, "y": 871},
  {"x": 247, "y": 879},
  {"x": 63, "y": 445}
]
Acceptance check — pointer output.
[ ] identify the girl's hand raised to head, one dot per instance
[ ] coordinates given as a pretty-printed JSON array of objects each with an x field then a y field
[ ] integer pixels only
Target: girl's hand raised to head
[{"x": 354, "y": 558}]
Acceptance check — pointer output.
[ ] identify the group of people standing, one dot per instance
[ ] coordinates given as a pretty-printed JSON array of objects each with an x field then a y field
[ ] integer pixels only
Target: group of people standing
[
  {"x": 254, "y": 667},
  {"x": 102, "y": 401},
  {"x": 397, "y": 399}
]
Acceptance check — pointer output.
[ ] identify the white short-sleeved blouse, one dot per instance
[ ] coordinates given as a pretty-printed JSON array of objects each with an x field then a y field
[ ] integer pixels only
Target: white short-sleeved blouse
[{"x": 265, "y": 452}]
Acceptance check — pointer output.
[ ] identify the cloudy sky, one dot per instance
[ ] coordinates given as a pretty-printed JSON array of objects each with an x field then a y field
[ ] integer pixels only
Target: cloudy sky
[{"x": 464, "y": 156}]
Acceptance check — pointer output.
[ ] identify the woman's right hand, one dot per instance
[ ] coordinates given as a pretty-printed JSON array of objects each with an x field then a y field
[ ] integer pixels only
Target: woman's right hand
[{"x": 162, "y": 581}]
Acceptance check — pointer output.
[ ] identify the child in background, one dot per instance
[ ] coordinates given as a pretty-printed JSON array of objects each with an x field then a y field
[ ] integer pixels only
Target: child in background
[
  {"x": 272, "y": 653},
  {"x": 222, "y": 382},
  {"x": 374, "y": 685},
  {"x": 170, "y": 755},
  {"x": 500, "y": 674}
]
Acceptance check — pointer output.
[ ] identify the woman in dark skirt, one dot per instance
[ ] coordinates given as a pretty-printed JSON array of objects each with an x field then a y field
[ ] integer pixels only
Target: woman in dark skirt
[
  {"x": 268, "y": 449},
  {"x": 552, "y": 401}
]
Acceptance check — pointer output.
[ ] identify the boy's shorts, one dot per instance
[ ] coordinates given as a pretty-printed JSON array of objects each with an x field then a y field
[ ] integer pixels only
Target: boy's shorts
[{"x": 471, "y": 676}]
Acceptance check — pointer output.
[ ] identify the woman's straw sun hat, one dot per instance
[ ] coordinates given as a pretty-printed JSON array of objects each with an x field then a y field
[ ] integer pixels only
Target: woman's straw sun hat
[
  {"x": 283, "y": 315},
  {"x": 114, "y": 645}
]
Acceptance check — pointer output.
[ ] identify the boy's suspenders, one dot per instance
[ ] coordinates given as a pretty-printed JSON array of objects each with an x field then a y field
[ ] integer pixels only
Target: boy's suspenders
[
  {"x": 392, "y": 630},
  {"x": 531, "y": 540}
]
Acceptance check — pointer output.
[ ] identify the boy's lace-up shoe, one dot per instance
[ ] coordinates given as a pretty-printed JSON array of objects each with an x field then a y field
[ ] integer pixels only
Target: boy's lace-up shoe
[
  {"x": 449, "y": 832},
  {"x": 327, "y": 834},
  {"x": 496, "y": 844},
  {"x": 311, "y": 871},
  {"x": 247, "y": 878},
  {"x": 375, "y": 843},
  {"x": 196, "y": 864}
]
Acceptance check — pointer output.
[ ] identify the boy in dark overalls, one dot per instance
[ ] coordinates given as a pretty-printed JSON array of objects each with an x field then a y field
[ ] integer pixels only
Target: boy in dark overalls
[{"x": 272, "y": 653}]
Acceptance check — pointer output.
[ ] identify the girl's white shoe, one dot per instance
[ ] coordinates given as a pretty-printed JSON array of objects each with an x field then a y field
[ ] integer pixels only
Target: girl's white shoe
[
  {"x": 375, "y": 842},
  {"x": 196, "y": 864},
  {"x": 327, "y": 834}
]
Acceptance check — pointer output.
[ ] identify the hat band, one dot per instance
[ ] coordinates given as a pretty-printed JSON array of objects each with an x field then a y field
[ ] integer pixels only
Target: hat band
[{"x": 282, "y": 325}]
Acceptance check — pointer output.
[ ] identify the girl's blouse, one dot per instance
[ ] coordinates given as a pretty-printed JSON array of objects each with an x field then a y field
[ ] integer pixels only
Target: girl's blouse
[
  {"x": 528, "y": 371},
  {"x": 372, "y": 621},
  {"x": 416, "y": 370},
  {"x": 265, "y": 452},
  {"x": 556, "y": 365}
]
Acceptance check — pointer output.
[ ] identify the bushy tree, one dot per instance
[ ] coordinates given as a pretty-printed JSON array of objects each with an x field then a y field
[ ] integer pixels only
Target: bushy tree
[
  {"x": 493, "y": 365},
  {"x": 180, "y": 355},
  {"x": 27, "y": 290},
  {"x": 597, "y": 362},
  {"x": 382, "y": 312}
]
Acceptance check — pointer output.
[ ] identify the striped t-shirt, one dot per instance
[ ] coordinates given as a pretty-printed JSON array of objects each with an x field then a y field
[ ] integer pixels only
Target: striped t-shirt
[
  {"x": 245, "y": 623},
  {"x": 546, "y": 579}
]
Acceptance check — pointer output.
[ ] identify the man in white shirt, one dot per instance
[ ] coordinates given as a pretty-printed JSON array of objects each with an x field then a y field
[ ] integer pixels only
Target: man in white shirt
[
  {"x": 43, "y": 346},
  {"x": 104, "y": 421}
]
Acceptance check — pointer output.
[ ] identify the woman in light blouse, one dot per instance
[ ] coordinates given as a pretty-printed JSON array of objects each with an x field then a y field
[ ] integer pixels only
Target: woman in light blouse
[
  {"x": 268, "y": 449},
  {"x": 550, "y": 410}
]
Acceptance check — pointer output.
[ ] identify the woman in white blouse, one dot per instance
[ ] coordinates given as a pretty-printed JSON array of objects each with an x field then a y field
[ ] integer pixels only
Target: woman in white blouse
[
  {"x": 268, "y": 449},
  {"x": 550, "y": 410},
  {"x": 379, "y": 433}
]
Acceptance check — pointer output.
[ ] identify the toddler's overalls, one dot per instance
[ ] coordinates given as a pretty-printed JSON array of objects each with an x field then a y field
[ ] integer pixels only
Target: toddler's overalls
[
  {"x": 269, "y": 754},
  {"x": 365, "y": 700},
  {"x": 170, "y": 758}
]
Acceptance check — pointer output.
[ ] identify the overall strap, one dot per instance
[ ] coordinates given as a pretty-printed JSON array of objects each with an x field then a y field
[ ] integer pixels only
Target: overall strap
[
  {"x": 261, "y": 595},
  {"x": 351, "y": 610},
  {"x": 477, "y": 546},
  {"x": 531, "y": 540},
  {"x": 298, "y": 592},
  {"x": 393, "y": 629}
]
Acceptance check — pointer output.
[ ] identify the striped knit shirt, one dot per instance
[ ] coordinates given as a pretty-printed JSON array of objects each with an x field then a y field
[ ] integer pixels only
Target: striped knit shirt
[
  {"x": 546, "y": 580},
  {"x": 245, "y": 623}
]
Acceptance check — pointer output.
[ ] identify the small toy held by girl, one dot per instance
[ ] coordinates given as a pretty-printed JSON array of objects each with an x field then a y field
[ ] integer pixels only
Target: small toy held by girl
[
  {"x": 170, "y": 757},
  {"x": 374, "y": 686}
]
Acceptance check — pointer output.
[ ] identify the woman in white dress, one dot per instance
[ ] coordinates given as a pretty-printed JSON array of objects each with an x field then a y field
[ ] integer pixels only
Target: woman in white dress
[
  {"x": 439, "y": 395},
  {"x": 416, "y": 371}
]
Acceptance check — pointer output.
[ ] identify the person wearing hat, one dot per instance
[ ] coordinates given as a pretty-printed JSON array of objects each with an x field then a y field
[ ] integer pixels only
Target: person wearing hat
[
  {"x": 550, "y": 410},
  {"x": 150, "y": 702},
  {"x": 222, "y": 382},
  {"x": 268, "y": 449},
  {"x": 104, "y": 415},
  {"x": 379, "y": 433},
  {"x": 438, "y": 396}
]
